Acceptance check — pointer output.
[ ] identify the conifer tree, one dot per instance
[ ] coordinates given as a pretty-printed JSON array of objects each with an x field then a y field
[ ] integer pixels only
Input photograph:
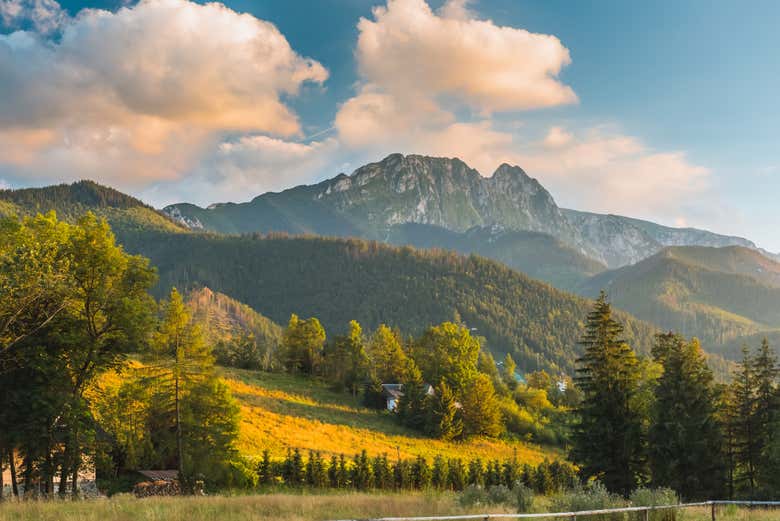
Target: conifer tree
[
  {"x": 412, "y": 406},
  {"x": 389, "y": 362},
  {"x": 480, "y": 408},
  {"x": 439, "y": 473},
  {"x": 442, "y": 418},
  {"x": 608, "y": 441},
  {"x": 184, "y": 357},
  {"x": 685, "y": 438},
  {"x": 302, "y": 345},
  {"x": 508, "y": 369},
  {"x": 742, "y": 417}
]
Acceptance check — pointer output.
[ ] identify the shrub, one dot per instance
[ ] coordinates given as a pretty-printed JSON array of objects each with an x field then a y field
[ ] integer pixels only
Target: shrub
[
  {"x": 594, "y": 496},
  {"x": 647, "y": 497},
  {"x": 473, "y": 495},
  {"x": 524, "y": 497},
  {"x": 500, "y": 495}
]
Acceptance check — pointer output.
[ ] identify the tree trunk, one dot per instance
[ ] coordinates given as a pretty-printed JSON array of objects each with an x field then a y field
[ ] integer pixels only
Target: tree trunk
[
  {"x": 179, "y": 447},
  {"x": 2, "y": 485},
  {"x": 12, "y": 467},
  {"x": 64, "y": 469},
  {"x": 74, "y": 485}
]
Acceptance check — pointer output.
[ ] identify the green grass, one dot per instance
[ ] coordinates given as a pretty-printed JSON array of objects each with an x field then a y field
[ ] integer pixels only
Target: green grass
[
  {"x": 281, "y": 411},
  {"x": 292, "y": 507}
]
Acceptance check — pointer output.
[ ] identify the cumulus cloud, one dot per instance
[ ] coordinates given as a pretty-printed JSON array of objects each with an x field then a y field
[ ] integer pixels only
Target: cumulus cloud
[
  {"x": 46, "y": 16},
  {"x": 604, "y": 170},
  {"x": 422, "y": 70},
  {"x": 137, "y": 95},
  {"x": 249, "y": 165},
  {"x": 409, "y": 50}
]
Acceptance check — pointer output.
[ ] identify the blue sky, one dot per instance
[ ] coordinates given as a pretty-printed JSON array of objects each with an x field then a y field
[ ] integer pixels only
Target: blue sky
[{"x": 663, "y": 110}]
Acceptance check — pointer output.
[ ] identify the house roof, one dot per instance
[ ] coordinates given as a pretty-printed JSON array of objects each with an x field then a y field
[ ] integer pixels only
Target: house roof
[
  {"x": 395, "y": 391},
  {"x": 160, "y": 475},
  {"x": 392, "y": 391}
]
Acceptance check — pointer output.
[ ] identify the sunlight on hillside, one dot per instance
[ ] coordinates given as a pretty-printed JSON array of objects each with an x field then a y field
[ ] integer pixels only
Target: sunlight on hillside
[{"x": 281, "y": 411}]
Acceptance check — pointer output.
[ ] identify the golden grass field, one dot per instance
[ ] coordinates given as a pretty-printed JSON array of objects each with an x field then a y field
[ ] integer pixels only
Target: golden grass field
[
  {"x": 290, "y": 507},
  {"x": 281, "y": 411}
]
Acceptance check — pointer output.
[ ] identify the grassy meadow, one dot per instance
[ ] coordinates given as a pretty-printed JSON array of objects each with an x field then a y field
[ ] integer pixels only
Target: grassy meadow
[
  {"x": 293, "y": 507},
  {"x": 281, "y": 411}
]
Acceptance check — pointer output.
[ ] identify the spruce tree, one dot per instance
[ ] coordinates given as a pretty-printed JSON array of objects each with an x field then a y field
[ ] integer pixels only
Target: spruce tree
[
  {"x": 608, "y": 441},
  {"x": 685, "y": 437},
  {"x": 442, "y": 418},
  {"x": 742, "y": 419}
]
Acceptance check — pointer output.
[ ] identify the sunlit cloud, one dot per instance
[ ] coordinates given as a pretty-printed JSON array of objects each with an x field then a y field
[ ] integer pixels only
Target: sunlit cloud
[{"x": 138, "y": 95}]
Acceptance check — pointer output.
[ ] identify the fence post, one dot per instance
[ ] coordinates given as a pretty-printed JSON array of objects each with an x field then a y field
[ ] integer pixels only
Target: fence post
[
  {"x": 713, "y": 511},
  {"x": 647, "y": 514}
]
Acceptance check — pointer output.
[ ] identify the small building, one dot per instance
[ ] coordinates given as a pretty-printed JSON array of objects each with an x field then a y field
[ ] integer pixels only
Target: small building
[
  {"x": 393, "y": 392},
  {"x": 160, "y": 475}
]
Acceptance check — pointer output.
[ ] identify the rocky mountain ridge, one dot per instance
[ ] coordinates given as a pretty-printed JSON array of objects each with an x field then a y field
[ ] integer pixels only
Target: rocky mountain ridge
[{"x": 448, "y": 194}]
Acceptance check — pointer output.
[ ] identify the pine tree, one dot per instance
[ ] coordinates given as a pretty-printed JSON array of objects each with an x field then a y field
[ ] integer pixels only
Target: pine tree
[
  {"x": 742, "y": 417},
  {"x": 421, "y": 473},
  {"x": 685, "y": 438},
  {"x": 302, "y": 345},
  {"x": 265, "y": 469},
  {"x": 476, "y": 473},
  {"x": 185, "y": 359},
  {"x": 388, "y": 360},
  {"x": 442, "y": 418},
  {"x": 480, "y": 409},
  {"x": 439, "y": 473},
  {"x": 456, "y": 474},
  {"x": 767, "y": 414},
  {"x": 413, "y": 404},
  {"x": 608, "y": 441},
  {"x": 508, "y": 372}
]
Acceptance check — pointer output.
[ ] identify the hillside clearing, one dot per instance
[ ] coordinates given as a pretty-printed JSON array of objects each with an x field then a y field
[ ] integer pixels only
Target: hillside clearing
[{"x": 282, "y": 411}]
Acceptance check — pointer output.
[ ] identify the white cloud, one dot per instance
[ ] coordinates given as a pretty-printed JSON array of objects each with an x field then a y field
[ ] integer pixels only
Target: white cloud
[
  {"x": 246, "y": 167},
  {"x": 420, "y": 69},
  {"x": 408, "y": 50},
  {"x": 46, "y": 16},
  {"x": 607, "y": 171},
  {"x": 137, "y": 95}
]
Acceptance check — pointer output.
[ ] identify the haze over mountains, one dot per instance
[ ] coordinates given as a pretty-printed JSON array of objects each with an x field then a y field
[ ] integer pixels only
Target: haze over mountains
[{"x": 719, "y": 288}]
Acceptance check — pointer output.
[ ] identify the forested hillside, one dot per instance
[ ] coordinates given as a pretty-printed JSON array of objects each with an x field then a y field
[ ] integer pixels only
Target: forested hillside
[
  {"x": 338, "y": 280},
  {"x": 715, "y": 294},
  {"x": 538, "y": 255},
  {"x": 241, "y": 336},
  {"x": 123, "y": 212}
]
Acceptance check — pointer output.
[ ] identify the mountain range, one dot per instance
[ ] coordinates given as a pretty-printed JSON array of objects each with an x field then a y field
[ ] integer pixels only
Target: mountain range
[
  {"x": 719, "y": 288},
  {"x": 444, "y": 193}
]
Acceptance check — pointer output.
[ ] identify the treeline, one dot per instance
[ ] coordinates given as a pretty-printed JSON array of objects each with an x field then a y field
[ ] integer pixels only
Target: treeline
[
  {"x": 379, "y": 473},
  {"x": 450, "y": 387},
  {"x": 665, "y": 422},
  {"x": 73, "y": 304}
]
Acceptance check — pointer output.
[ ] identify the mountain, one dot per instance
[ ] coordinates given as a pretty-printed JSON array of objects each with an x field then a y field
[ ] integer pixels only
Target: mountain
[
  {"x": 624, "y": 240},
  {"x": 447, "y": 194},
  {"x": 123, "y": 212},
  {"x": 538, "y": 255},
  {"x": 440, "y": 192},
  {"x": 342, "y": 279},
  {"x": 716, "y": 294}
]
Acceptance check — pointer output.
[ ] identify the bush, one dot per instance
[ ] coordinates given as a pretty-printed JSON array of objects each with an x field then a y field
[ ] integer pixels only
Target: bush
[
  {"x": 648, "y": 497},
  {"x": 524, "y": 497},
  {"x": 473, "y": 495},
  {"x": 594, "y": 496},
  {"x": 500, "y": 495}
]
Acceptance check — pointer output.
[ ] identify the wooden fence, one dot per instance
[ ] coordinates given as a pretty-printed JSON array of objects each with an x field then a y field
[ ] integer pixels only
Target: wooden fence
[{"x": 584, "y": 514}]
